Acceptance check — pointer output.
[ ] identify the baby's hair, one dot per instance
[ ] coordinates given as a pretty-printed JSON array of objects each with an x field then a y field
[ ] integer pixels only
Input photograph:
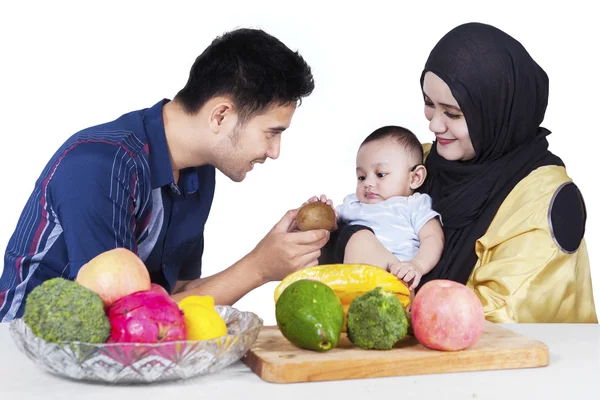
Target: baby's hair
[{"x": 402, "y": 136}]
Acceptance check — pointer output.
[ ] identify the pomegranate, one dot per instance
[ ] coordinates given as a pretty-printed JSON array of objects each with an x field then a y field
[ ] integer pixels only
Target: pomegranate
[
  {"x": 447, "y": 315},
  {"x": 113, "y": 274},
  {"x": 146, "y": 317}
]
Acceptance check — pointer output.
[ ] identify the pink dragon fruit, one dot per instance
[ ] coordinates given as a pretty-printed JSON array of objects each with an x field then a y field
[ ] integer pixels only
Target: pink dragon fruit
[
  {"x": 155, "y": 287},
  {"x": 146, "y": 317}
]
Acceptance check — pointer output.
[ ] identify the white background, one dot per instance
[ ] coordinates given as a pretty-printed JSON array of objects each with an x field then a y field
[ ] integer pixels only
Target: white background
[{"x": 65, "y": 66}]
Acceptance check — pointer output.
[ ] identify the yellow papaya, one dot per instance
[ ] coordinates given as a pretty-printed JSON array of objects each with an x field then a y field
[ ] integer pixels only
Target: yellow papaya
[{"x": 349, "y": 281}]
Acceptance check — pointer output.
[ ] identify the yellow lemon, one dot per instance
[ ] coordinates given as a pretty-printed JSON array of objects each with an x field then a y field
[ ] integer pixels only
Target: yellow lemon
[
  {"x": 201, "y": 319},
  {"x": 205, "y": 301}
]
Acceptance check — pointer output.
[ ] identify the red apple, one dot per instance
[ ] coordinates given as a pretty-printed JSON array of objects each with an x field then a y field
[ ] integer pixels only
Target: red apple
[{"x": 447, "y": 315}]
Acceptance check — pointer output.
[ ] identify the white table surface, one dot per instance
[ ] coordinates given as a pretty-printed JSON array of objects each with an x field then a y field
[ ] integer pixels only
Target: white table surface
[{"x": 573, "y": 373}]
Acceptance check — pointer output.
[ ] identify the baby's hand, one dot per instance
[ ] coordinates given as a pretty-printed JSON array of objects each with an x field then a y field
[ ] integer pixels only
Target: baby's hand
[
  {"x": 409, "y": 271},
  {"x": 323, "y": 199}
]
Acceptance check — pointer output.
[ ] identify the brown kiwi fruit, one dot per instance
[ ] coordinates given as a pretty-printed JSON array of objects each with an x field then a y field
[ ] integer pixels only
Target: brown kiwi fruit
[{"x": 316, "y": 215}]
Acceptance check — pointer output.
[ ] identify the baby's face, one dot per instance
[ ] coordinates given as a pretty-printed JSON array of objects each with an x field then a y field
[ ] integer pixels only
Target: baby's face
[{"x": 382, "y": 171}]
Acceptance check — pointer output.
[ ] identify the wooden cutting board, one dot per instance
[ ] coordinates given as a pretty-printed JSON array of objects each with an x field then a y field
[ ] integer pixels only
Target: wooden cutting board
[{"x": 274, "y": 359}]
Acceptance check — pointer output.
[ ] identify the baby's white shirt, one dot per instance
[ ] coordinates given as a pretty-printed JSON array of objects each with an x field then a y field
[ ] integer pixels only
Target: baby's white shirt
[{"x": 396, "y": 222}]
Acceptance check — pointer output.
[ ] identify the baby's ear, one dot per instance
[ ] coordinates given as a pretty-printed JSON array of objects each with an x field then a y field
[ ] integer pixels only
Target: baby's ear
[{"x": 417, "y": 176}]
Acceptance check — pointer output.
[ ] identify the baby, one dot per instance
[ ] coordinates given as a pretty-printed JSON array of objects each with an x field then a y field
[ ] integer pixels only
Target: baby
[{"x": 388, "y": 170}]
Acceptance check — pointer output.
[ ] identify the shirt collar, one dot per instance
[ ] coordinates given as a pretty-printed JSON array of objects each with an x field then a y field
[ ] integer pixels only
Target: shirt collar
[
  {"x": 160, "y": 163},
  {"x": 159, "y": 159}
]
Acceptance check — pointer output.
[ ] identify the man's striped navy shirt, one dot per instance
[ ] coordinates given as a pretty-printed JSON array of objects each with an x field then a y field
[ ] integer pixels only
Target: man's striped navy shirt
[{"x": 109, "y": 186}]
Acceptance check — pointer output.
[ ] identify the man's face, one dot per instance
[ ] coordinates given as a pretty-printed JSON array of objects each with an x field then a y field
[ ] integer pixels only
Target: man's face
[{"x": 258, "y": 139}]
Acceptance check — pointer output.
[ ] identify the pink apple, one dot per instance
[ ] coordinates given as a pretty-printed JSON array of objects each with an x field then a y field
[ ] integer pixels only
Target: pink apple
[{"x": 447, "y": 315}]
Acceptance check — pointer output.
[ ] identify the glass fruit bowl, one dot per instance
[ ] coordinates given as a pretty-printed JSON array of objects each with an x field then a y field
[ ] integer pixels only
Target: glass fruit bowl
[{"x": 142, "y": 362}]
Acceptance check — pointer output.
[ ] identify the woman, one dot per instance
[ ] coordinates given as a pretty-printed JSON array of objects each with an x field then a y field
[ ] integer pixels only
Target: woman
[{"x": 513, "y": 219}]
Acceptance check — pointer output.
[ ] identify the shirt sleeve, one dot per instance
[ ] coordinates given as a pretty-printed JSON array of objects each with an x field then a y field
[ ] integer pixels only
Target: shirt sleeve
[
  {"x": 339, "y": 209},
  {"x": 343, "y": 210},
  {"x": 421, "y": 211},
  {"x": 93, "y": 191},
  {"x": 528, "y": 279},
  {"x": 523, "y": 272}
]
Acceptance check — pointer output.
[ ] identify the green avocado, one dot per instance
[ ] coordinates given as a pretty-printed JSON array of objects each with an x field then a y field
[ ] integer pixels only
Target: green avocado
[{"x": 310, "y": 315}]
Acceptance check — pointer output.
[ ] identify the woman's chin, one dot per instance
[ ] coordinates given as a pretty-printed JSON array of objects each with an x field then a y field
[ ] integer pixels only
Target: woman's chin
[{"x": 449, "y": 154}]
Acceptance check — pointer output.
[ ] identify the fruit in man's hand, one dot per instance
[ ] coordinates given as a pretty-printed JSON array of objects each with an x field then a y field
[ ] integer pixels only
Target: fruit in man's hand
[{"x": 316, "y": 215}]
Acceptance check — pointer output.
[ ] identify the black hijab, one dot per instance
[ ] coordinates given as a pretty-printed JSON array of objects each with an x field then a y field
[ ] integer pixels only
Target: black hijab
[{"x": 503, "y": 94}]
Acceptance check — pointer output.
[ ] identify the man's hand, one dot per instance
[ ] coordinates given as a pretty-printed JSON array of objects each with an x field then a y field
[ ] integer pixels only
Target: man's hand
[
  {"x": 284, "y": 250},
  {"x": 278, "y": 254}
]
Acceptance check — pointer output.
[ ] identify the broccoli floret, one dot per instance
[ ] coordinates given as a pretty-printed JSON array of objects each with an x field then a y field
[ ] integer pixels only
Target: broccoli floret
[
  {"x": 62, "y": 310},
  {"x": 376, "y": 320}
]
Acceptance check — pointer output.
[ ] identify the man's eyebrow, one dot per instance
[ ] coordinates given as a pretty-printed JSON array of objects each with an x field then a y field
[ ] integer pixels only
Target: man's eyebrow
[{"x": 278, "y": 129}]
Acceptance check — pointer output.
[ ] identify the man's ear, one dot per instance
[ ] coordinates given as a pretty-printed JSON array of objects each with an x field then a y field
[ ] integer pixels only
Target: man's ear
[
  {"x": 417, "y": 176},
  {"x": 220, "y": 115}
]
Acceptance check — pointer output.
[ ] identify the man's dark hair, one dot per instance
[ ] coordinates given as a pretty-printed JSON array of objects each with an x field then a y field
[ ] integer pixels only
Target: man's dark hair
[
  {"x": 403, "y": 136},
  {"x": 252, "y": 67}
]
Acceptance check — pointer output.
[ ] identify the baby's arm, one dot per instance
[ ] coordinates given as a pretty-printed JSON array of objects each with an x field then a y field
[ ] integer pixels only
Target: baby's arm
[{"x": 431, "y": 238}]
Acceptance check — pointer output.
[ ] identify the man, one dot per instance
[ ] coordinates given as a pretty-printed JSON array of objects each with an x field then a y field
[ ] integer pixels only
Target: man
[{"x": 146, "y": 180}]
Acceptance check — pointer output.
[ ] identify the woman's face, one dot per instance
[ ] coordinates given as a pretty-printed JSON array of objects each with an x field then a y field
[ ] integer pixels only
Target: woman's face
[{"x": 446, "y": 120}]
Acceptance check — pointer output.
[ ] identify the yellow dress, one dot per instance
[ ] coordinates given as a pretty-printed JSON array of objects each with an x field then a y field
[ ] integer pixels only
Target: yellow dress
[{"x": 521, "y": 274}]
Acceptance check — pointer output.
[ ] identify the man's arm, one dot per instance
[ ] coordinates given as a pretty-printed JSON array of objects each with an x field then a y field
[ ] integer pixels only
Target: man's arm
[
  {"x": 92, "y": 191},
  {"x": 278, "y": 254},
  {"x": 227, "y": 286}
]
